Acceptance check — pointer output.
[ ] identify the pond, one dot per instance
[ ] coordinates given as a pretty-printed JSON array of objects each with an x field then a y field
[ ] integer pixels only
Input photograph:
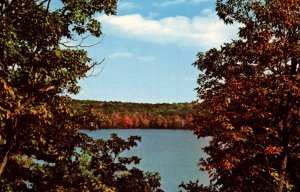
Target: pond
[{"x": 172, "y": 153}]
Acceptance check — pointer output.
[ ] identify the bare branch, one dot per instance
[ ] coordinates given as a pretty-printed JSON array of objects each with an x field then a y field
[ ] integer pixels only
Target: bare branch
[
  {"x": 48, "y": 6},
  {"x": 92, "y": 67},
  {"x": 80, "y": 44}
]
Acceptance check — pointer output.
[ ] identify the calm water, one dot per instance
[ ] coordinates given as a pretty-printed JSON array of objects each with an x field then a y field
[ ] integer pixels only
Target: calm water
[{"x": 172, "y": 153}]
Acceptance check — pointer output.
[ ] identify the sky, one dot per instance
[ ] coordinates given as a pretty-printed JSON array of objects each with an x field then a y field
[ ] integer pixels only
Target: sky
[{"x": 148, "y": 50}]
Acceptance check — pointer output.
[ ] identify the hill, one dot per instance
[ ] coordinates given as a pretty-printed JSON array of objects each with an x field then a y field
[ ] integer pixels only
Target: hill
[{"x": 139, "y": 115}]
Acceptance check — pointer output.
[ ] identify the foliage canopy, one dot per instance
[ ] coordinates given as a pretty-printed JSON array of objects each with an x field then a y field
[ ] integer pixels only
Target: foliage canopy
[
  {"x": 139, "y": 115},
  {"x": 249, "y": 100},
  {"x": 41, "y": 146}
]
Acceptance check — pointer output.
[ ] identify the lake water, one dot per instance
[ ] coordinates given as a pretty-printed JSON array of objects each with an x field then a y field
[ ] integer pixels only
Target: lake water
[{"x": 172, "y": 153}]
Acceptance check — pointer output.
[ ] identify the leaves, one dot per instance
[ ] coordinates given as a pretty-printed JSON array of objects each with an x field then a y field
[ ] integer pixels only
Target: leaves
[
  {"x": 249, "y": 98},
  {"x": 41, "y": 145},
  {"x": 139, "y": 115}
]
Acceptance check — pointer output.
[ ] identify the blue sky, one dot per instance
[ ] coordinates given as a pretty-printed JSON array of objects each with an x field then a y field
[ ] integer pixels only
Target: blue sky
[{"x": 148, "y": 50}]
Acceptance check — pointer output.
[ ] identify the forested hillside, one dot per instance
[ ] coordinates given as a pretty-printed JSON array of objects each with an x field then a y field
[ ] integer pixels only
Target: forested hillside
[{"x": 138, "y": 115}]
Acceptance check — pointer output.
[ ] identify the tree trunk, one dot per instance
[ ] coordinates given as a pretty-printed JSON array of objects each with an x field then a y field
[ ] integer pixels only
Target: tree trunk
[
  {"x": 3, "y": 162},
  {"x": 282, "y": 173},
  {"x": 286, "y": 130},
  {"x": 6, "y": 154},
  {"x": 10, "y": 140},
  {"x": 294, "y": 66},
  {"x": 285, "y": 139}
]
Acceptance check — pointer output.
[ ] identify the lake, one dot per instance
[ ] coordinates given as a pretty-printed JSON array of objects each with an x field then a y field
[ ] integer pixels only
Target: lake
[{"x": 172, "y": 153}]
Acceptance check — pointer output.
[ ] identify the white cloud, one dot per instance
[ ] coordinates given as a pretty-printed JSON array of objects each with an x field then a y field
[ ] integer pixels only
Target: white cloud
[
  {"x": 177, "y": 2},
  {"x": 152, "y": 15},
  {"x": 168, "y": 3},
  {"x": 208, "y": 12},
  {"x": 121, "y": 55},
  {"x": 125, "y": 54},
  {"x": 203, "y": 31},
  {"x": 127, "y": 5},
  {"x": 147, "y": 59}
]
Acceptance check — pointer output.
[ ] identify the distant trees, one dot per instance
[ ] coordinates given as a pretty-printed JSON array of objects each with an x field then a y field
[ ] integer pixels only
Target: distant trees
[
  {"x": 141, "y": 115},
  {"x": 41, "y": 146},
  {"x": 249, "y": 100}
]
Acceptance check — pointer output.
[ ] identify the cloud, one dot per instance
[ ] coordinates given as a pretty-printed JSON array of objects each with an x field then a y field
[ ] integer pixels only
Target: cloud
[
  {"x": 124, "y": 54},
  {"x": 121, "y": 55},
  {"x": 152, "y": 15},
  {"x": 147, "y": 59},
  {"x": 168, "y": 3},
  {"x": 177, "y": 2},
  {"x": 127, "y": 5},
  {"x": 208, "y": 12},
  {"x": 203, "y": 31}
]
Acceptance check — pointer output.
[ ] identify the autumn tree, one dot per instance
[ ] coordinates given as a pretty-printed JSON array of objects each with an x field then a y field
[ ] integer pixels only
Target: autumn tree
[
  {"x": 249, "y": 99},
  {"x": 127, "y": 121},
  {"x": 116, "y": 119},
  {"x": 135, "y": 120},
  {"x": 142, "y": 115},
  {"x": 41, "y": 145}
]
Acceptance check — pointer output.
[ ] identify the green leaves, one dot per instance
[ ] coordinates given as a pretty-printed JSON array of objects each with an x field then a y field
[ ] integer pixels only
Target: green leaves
[{"x": 41, "y": 146}]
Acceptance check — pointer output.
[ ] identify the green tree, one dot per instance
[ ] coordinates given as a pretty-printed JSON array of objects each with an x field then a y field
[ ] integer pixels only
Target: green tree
[
  {"x": 249, "y": 99},
  {"x": 41, "y": 145}
]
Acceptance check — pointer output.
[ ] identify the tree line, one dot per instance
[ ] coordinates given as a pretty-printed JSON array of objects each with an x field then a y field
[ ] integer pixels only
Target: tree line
[{"x": 139, "y": 115}]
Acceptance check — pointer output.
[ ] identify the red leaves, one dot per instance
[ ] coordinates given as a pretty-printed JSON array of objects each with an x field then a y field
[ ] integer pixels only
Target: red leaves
[
  {"x": 269, "y": 150},
  {"x": 250, "y": 92},
  {"x": 227, "y": 165},
  {"x": 127, "y": 121},
  {"x": 204, "y": 166}
]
